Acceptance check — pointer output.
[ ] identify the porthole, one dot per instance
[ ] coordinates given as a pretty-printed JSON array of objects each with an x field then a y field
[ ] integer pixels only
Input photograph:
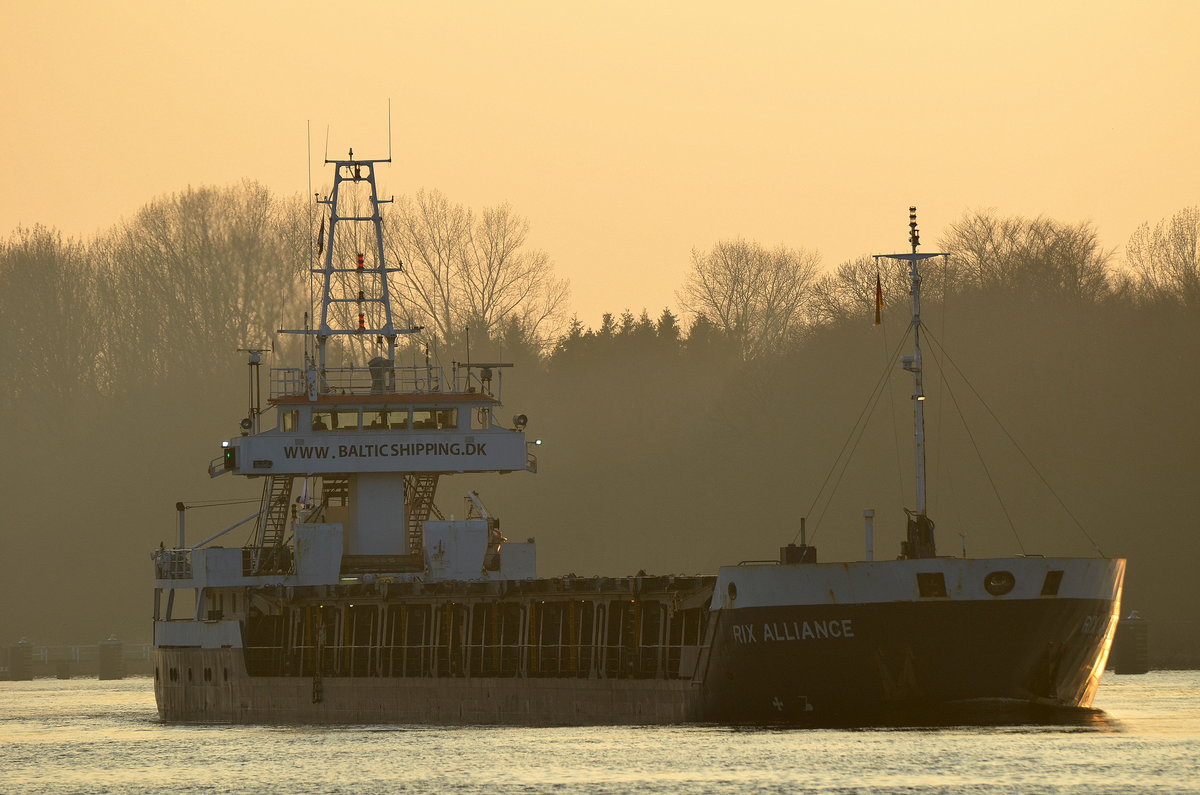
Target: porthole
[
  {"x": 732, "y": 591},
  {"x": 999, "y": 583},
  {"x": 226, "y": 671}
]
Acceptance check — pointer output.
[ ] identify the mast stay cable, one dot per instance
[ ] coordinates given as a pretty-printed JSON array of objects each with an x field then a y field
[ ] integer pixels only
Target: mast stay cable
[
  {"x": 978, "y": 453},
  {"x": 855, "y": 435},
  {"x": 1020, "y": 449}
]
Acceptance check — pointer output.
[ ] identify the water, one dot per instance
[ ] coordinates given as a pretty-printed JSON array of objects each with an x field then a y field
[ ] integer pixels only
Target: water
[{"x": 89, "y": 736}]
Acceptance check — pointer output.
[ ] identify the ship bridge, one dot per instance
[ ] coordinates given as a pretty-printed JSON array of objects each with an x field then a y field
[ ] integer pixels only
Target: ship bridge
[
  {"x": 382, "y": 419},
  {"x": 352, "y": 454},
  {"x": 367, "y": 446}
]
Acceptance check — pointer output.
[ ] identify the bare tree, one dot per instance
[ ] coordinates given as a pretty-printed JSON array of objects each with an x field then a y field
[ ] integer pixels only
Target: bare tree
[
  {"x": 462, "y": 272},
  {"x": 849, "y": 292},
  {"x": 1166, "y": 259},
  {"x": 198, "y": 274},
  {"x": 757, "y": 297},
  {"x": 47, "y": 317},
  {"x": 1038, "y": 256},
  {"x": 430, "y": 236},
  {"x": 507, "y": 283}
]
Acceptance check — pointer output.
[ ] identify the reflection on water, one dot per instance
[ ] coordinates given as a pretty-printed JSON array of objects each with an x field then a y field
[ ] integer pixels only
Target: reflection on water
[
  {"x": 976, "y": 713},
  {"x": 89, "y": 736},
  {"x": 990, "y": 715},
  {"x": 994, "y": 713}
]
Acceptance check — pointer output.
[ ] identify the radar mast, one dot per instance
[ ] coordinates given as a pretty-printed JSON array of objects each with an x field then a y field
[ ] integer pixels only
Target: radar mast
[{"x": 920, "y": 542}]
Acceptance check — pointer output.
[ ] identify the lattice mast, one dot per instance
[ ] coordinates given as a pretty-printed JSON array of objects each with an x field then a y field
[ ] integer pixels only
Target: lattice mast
[{"x": 354, "y": 294}]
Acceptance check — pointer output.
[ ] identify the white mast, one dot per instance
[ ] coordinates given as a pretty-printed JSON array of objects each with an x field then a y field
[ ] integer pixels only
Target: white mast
[
  {"x": 914, "y": 237},
  {"x": 920, "y": 542},
  {"x": 362, "y": 284}
]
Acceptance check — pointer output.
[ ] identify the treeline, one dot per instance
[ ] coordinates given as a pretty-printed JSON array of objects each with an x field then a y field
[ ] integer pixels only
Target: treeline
[
  {"x": 165, "y": 297},
  {"x": 673, "y": 442}
]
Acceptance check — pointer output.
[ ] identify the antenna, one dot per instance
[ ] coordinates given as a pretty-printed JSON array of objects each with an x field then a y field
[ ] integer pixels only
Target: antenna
[
  {"x": 326, "y": 143},
  {"x": 311, "y": 254},
  {"x": 389, "y": 129}
]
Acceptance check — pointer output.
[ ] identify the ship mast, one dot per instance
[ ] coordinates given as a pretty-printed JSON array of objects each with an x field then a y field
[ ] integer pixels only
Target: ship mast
[
  {"x": 355, "y": 297},
  {"x": 920, "y": 542}
]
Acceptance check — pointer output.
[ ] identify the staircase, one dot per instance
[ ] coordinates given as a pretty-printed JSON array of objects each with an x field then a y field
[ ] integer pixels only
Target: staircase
[
  {"x": 269, "y": 532},
  {"x": 419, "y": 489}
]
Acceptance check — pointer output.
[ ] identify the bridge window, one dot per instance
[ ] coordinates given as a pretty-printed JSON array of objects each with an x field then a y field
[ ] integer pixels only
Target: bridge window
[
  {"x": 435, "y": 419},
  {"x": 335, "y": 420},
  {"x": 289, "y": 421},
  {"x": 385, "y": 418}
]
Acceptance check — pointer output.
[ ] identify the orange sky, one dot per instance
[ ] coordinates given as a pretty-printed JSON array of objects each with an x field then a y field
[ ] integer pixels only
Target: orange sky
[{"x": 627, "y": 132}]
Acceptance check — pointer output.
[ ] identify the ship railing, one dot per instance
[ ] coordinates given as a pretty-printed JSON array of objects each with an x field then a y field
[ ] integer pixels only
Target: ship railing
[
  {"x": 172, "y": 564},
  {"x": 271, "y": 560},
  {"x": 374, "y": 380}
]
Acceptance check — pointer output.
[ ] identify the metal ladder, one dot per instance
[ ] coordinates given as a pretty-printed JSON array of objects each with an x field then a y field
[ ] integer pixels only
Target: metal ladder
[
  {"x": 419, "y": 488},
  {"x": 272, "y": 521}
]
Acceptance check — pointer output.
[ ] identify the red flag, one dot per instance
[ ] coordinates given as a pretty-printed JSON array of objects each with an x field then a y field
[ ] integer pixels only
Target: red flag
[
  {"x": 321, "y": 238},
  {"x": 878, "y": 299}
]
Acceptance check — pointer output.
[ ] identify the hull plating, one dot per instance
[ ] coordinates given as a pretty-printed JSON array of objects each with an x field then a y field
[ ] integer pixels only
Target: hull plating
[
  {"x": 425, "y": 700},
  {"x": 812, "y": 664}
]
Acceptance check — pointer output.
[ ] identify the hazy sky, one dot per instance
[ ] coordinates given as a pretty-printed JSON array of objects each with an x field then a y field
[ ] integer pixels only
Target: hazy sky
[{"x": 627, "y": 132}]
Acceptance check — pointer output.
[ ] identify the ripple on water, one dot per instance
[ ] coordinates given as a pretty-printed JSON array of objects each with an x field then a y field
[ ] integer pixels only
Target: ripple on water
[{"x": 89, "y": 736}]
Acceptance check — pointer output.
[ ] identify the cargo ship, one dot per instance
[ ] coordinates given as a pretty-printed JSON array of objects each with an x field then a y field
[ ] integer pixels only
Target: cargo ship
[{"x": 356, "y": 600}]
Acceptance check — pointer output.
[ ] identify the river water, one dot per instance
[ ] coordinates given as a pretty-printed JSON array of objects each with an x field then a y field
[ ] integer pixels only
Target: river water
[{"x": 84, "y": 735}]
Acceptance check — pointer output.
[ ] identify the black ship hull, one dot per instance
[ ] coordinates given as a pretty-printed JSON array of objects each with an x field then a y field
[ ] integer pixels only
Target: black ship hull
[{"x": 907, "y": 662}]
